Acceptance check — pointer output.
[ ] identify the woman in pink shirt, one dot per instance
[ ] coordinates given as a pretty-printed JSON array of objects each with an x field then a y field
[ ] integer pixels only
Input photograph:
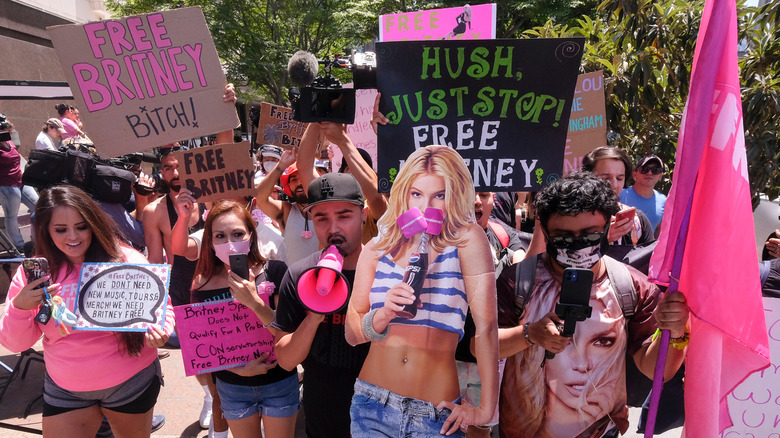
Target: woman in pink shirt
[
  {"x": 89, "y": 374},
  {"x": 69, "y": 119}
]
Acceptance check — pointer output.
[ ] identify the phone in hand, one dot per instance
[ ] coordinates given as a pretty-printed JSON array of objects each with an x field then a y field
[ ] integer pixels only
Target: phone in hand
[
  {"x": 573, "y": 305},
  {"x": 627, "y": 213},
  {"x": 34, "y": 269},
  {"x": 239, "y": 263}
]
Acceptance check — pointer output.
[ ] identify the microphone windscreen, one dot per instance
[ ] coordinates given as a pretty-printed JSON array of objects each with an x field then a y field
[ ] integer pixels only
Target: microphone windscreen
[{"x": 302, "y": 68}]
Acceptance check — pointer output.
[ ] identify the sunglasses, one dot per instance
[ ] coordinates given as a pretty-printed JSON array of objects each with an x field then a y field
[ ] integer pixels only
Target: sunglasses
[
  {"x": 568, "y": 241},
  {"x": 655, "y": 170}
]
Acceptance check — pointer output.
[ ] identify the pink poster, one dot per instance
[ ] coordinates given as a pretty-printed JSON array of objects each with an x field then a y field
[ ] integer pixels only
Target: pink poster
[
  {"x": 219, "y": 335},
  {"x": 466, "y": 22}
]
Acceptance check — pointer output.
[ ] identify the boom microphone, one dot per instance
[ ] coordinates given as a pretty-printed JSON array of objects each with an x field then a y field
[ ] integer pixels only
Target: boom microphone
[{"x": 302, "y": 68}]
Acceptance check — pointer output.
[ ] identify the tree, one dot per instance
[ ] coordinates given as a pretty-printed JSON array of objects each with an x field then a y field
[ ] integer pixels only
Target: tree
[{"x": 255, "y": 39}]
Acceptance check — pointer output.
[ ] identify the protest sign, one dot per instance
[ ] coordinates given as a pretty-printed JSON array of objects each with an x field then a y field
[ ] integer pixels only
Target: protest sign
[
  {"x": 121, "y": 296},
  {"x": 146, "y": 80},
  {"x": 437, "y": 24},
  {"x": 221, "y": 334},
  {"x": 277, "y": 127},
  {"x": 217, "y": 172},
  {"x": 754, "y": 405},
  {"x": 587, "y": 122},
  {"x": 502, "y": 104}
]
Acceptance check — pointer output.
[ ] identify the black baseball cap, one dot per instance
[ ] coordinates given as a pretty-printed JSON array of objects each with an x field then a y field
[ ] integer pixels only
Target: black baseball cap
[{"x": 330, "y": 187}]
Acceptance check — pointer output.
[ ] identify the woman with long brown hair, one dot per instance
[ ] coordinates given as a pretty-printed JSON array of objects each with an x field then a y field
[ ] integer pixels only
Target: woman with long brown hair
[
  {"x": 119, "y": 374},
  {"x": 261, "y": 390}
]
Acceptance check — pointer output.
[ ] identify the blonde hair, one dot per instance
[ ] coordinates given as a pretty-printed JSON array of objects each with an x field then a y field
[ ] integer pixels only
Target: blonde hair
[
  {"x": 525, "y": 391},
  {"x": 458, "y": 198}
]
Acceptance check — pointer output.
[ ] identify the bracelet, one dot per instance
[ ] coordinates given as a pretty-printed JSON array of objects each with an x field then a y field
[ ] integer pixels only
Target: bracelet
[
  {"x": 681, "y": 342},
  {"x": 527, "y": 338},
  {"x": 368, "y": 327},
  {"x": 678, "y": 343}
]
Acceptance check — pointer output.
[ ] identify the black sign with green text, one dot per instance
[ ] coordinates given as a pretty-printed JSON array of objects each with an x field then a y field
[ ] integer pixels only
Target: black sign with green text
[{"x": 502, "y": 104}]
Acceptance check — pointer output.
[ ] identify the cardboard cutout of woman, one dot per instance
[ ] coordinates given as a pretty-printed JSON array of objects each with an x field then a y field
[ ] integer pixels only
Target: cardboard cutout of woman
[{"x": 409, "y": 381}]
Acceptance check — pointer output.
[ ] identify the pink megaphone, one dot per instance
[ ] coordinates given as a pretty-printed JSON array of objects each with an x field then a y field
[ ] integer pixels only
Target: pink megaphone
[{"x": 323, "y": 288}]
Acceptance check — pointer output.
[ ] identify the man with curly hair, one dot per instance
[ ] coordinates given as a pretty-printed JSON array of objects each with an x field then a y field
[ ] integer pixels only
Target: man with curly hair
[{"x": 582, "y": 390}]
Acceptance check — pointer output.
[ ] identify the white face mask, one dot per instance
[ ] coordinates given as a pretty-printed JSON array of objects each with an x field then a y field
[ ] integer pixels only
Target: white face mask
[{"x": 268, "y": 166}]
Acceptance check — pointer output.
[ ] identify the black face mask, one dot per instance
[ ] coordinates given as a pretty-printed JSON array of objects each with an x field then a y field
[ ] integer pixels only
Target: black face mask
[{"x": 582, "y": 251}]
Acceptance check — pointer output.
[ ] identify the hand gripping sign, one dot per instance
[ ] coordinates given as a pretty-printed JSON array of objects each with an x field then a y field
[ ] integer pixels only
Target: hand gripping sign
[{"x": 121, "y": 296}]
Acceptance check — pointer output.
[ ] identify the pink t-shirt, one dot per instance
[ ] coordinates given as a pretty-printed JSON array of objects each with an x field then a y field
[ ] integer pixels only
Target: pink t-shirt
[
  {"x": 82, "y": 360},
  {"x": 71, "y": 128}
]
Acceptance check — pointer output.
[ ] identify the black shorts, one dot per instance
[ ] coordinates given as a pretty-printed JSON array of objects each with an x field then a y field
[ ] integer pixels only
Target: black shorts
[{"x": 136, "y": 395}]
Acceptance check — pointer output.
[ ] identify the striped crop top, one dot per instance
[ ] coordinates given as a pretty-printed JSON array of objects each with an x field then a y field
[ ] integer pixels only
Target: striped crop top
[{"x": 443, "y": 293}]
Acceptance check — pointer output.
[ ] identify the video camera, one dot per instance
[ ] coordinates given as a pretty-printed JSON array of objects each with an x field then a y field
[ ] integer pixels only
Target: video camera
[{"x": 321, "y": 98}]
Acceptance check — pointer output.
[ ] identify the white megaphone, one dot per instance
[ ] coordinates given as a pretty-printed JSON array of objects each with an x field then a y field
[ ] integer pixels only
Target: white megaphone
[{"x": 323, "y": 288}]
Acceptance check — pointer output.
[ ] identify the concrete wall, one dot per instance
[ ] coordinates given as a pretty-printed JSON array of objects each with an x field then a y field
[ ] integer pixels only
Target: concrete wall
[{"x": 27, "y": 55}]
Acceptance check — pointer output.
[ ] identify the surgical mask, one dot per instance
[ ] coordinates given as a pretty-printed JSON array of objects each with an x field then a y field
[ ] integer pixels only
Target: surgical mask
[
  {"x": 576, "y": 252},
  {"x": 268, "y": 166},
  {"x": 224, "y": 250}
]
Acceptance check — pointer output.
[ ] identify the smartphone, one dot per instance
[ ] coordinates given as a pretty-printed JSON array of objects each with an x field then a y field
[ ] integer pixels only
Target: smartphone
[
  {"x": 573, "y": 304},
  {"x": 239, "y": 263},
  {"x": 5, "y": 136},
  {"x": 627, "y": 213},
  {"x": 35, "y": 268}
]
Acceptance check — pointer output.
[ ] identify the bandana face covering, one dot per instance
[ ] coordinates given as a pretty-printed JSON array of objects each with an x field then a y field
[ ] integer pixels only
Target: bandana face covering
[
  {"x": 224, "y": 250},
  {"x": 576, "y": 252}
]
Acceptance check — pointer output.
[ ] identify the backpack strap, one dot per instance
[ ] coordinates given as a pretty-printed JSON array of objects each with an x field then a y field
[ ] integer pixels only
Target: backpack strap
[
  {"x": 500, "y": 232},
  {"x": 622, "y": 285},
  {"x": 525, "y": 273}
]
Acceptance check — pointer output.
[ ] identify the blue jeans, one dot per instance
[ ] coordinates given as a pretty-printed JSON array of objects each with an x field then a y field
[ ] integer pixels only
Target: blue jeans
[
  {"x": 11, "y": 199},
  {"x": 377, "y": 411},
  {"x": 278, "y": 399}
]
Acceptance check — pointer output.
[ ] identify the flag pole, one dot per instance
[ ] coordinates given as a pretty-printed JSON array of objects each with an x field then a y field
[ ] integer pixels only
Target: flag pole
[{"x": 663, "y": 349}]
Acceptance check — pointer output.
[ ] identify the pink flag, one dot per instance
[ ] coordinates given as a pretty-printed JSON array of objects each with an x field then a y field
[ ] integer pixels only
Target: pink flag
[{"x": 719, "y": 268}]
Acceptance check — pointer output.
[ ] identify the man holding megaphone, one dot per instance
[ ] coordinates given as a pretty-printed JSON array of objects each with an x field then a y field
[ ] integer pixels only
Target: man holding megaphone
[{"x": 312, "y": 306}]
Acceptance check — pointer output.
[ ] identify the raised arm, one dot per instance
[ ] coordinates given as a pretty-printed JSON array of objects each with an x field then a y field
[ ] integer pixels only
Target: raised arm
[
  {"x": 307, "y": 152},
  {"x": 271, "y": 207},
  {"x": 181, "y": 244},
  {"x": 363, "y": 173}
]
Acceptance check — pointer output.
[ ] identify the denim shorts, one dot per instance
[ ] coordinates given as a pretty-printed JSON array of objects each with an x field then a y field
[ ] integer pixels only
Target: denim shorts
[
  {"x": 279, "y": 399},
  {"x": 377, "y": 411}
]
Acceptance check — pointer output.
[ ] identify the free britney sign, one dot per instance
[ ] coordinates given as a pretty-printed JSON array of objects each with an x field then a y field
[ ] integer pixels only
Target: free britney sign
[{"x": 146, "y": 80}]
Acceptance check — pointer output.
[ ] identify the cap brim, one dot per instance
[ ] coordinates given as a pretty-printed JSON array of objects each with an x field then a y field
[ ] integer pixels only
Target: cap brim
[{"x": 350, "y": 201}]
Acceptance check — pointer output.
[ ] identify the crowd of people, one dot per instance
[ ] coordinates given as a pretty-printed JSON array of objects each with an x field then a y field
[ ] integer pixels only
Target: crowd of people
[{"x": 456, "y": 354}]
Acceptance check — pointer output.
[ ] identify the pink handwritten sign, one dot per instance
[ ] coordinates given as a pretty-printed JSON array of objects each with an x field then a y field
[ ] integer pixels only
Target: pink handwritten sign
[
  {"x": 467, "y": 22},
  {"x": 145, "y": 80},
  {"x": 219, "y": 335},
  {"x": 754, "y": 405}
]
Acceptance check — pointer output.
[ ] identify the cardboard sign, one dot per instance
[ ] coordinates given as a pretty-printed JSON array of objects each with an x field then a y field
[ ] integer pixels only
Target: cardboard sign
[
  {"x": 217, "y": 172},
  {"x": 277, "y": 127},
  {"x": 754, "y": 405},
  {"x": 361, "y": 133},
  {"x": 219, "y": 335},
  {"x": 587, "y": 122},
  {"x": 437, "y": 24},
  {"x": 121, "y": 296},
  {"x": 502, "y": 104},
  {"x": 146, "y": 80}
]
